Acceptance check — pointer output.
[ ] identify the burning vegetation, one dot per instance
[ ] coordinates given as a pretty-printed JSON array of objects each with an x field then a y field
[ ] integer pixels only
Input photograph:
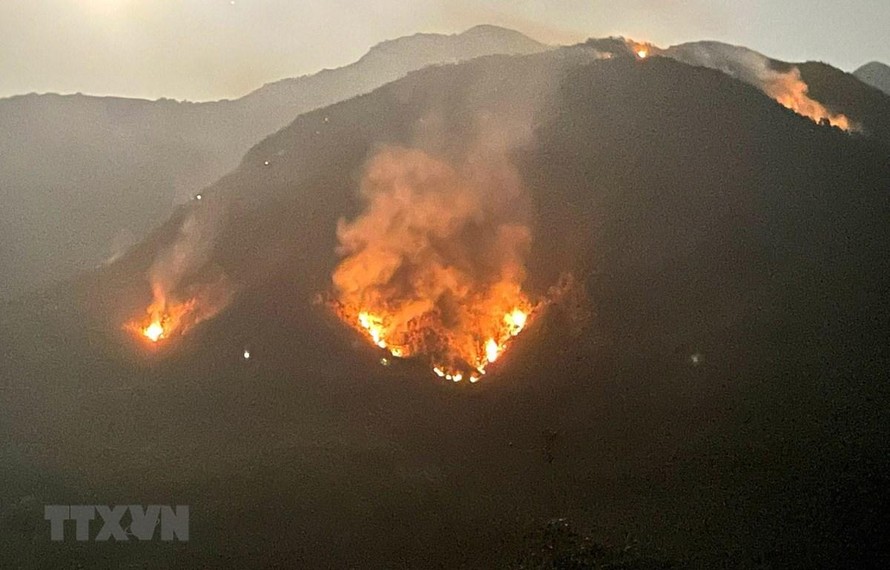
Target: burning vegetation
[{"x": 434, "y": 266}]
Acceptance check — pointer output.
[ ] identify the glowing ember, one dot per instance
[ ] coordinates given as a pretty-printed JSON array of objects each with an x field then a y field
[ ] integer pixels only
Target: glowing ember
[{"x": 642, "y": 53}]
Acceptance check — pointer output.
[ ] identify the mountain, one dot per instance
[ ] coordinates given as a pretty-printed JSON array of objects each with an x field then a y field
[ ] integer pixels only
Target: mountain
[
  {"x": 875, "y": 74},
  {"x": 708, "y": 390},
  {"x": 82, "y": 178}
]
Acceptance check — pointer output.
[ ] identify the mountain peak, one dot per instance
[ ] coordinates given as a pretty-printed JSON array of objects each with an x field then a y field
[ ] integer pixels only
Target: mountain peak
[
  {"x": 492, "y": 30},
  {"x": 478, "y": 40},
  {"x": 876, "y": 74}
]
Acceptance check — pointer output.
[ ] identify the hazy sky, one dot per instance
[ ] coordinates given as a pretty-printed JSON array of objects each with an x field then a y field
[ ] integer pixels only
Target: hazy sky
[{"x": 211, "y": 49}]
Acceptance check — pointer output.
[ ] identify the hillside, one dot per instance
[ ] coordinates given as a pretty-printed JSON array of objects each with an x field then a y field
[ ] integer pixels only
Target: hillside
[
  {"x": 82, "y": 177},
  {"x": 713, "y": 393}
]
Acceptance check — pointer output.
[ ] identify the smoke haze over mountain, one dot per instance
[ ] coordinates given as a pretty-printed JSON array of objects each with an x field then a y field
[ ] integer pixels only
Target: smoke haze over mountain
[{"x": 214, "y": 49}]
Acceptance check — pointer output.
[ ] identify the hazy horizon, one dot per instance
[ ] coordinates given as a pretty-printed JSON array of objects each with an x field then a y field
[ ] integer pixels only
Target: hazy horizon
[{"x": 202, "y": 50}]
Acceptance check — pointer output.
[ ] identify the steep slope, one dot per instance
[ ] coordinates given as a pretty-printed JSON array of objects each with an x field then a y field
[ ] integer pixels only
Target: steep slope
[
  {"x": 875, "y": 74},
  {"x": 83, "y": 177},
  {"x": 716, "y": 391}
]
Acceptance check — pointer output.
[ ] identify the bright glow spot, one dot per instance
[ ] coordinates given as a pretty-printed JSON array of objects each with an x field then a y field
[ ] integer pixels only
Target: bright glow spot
[
  {"x": 492, "y": 350},
  {"x": 517, "y": 320},
  {"x": 246, "y": 354},
  {"x": 154, "y": 332},
  {"x": 643, "y": 53},
  {"x": 198, "y": 197},
  {"x": 374, "y": 326}
]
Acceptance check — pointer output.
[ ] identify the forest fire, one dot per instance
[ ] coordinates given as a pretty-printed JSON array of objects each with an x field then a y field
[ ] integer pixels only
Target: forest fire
[{"x": 434, "y": 266}]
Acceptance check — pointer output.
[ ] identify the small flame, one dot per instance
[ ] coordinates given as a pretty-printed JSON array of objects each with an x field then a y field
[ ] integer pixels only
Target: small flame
[{"x": 642, "y": 53}]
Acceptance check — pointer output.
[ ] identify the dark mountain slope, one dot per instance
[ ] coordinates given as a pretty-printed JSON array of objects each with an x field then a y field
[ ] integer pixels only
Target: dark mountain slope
[
  {"x": 699, "y": 217},
  {"x": 82, "y": 178}
]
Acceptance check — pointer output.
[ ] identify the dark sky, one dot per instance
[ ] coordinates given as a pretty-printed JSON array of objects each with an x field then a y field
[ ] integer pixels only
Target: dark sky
[{"x": 211, "y": 49}]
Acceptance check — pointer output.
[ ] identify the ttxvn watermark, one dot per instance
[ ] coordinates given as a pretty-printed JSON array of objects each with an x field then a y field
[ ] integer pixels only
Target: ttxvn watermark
[{"x": 121, "y": 522}]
